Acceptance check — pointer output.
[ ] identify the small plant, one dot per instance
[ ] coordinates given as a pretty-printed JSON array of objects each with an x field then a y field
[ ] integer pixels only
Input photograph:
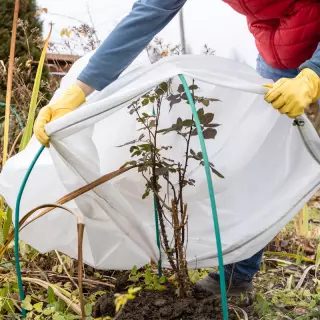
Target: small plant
[
  {"x": 147, "y": 280},
  {"x": 122, "y": 299},
  {"x": 166, "y": 178}
]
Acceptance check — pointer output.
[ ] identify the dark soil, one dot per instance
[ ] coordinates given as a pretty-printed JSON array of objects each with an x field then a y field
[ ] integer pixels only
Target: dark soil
[
  {"x": 163, "y": 305},
  {"x": 149, "y": 305}
]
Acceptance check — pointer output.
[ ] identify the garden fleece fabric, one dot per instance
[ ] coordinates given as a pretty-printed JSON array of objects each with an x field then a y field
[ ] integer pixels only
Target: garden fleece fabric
[{"x": 271, "y": 168}]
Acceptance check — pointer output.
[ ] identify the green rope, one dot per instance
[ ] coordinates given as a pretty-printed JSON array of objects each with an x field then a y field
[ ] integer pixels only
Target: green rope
[
  {"x": 16, "y": 229},
  {"x": 212, "y": 199},
  {"x": 12, "y": 109},
  {"x": 156, "y": 218}
]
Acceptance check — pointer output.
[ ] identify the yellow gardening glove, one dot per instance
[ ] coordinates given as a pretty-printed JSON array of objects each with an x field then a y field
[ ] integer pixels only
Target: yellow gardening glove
[
  {"x": 71, "y": 99},
  {"x": 292, "y": 96}
]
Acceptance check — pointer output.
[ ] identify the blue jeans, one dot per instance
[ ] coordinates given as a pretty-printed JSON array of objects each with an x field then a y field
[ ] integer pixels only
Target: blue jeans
[{"x": 246, "y": 269}]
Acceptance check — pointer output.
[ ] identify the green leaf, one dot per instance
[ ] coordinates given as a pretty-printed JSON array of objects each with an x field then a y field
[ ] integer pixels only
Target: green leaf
[
  {"x": 127, "y": 143},
  {"x": 6, "y": 225},
  {"x": 159, "y": 92},
  {"x": 134, "y": 270},
  {"x": 194, "y": 132},
  {"x": 59, "y": 306},
  {"x": 205, "y": 102},
  {"x": 161, "y": 171},
  {"x": 145, "y": 147},
  {"x": 216, "y": 172},
  {"x": 51, "y": 296},
  {"x": 58, "y": 316},
  {"x": 136, "y": 153},
  {"x": 193, "y": 87},
  {"x": 48, "y": 311},
  {"x": 133, "y": 148},
  {"x": 207, "y": 118},
  {"x": 179, "y": 124},
  {"x": 200, "y": 113},
  {"x": 38, "y": 307},
  {"x": 211, "y": 125},
  {"x": 145, "y": 101},
  {"x": 200, "y": 155},
  {"x": 214, "y": 100},
  {"x": 88, "y": 309},
  {"x": 152, "y": 124},
  {"x": 162, "y": 279},
  {"x": 188, "y": 123},
  {"x": 209, "y": 133},
  {"x": 146, "y": 194},
  {"x": 180, "y": 88},
  {"x": 164, "y": 86},
  {"x": 133, "y": 278},
  {"x": 26, "y": 303},
  {"x": 27, "y": 132},
  {"x": 262, "y": 306},
  {"x": 147, "y": 277},
  {"x": 184, "y": 96}
]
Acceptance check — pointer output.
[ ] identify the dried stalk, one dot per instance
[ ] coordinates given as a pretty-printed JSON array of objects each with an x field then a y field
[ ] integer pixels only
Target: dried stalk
[
  {"x": 65, "y": 269},
  {"x": 57, "y": 292},
  {"x": 14, "y": 144},
  {"x": 70, "y": 196},
  {"x": 80, "y": 229}
]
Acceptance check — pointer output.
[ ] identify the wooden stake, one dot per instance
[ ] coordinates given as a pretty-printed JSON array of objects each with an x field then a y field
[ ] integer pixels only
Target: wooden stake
[{"x": 9, "y": 81}]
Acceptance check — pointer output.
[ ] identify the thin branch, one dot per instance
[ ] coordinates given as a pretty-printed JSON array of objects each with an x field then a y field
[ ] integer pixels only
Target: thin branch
[
  {"x": 65, "y": 269},
  {"x": 14, "y": 144}
]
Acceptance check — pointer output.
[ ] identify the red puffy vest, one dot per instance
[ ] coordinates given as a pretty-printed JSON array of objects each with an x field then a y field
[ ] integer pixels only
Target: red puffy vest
[{"x": 286, "y": 32}]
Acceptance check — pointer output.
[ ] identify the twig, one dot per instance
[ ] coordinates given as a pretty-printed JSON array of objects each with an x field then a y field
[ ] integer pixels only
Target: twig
[
  {"x": 65, "y": 269},
  {"x": 75, "y": 307},
  {"x": 15, "y": 143},
  {"x": 305, "y": 273},
  {"x": 52, "y": 274}
]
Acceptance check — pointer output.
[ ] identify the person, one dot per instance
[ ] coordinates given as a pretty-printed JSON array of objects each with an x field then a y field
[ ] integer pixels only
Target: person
[{"x": 287, "y": 35}]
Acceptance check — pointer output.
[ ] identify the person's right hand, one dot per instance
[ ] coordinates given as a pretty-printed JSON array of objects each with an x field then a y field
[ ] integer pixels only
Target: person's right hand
[{"x": 71, "y": 99}]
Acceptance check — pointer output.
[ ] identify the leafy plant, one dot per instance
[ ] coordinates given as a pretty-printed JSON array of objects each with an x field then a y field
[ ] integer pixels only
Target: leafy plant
[
  {"x": 159, "y": 170},
  {"x": 146, "y": 279}
]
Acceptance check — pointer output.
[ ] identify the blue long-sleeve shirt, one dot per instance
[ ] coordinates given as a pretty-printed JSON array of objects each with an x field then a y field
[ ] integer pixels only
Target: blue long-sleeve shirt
[{"x": 133, "y": 34}]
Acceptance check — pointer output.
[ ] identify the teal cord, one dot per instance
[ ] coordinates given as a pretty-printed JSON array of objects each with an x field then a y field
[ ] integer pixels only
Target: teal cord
[
  {"x": 12, "y": 109},
  {"x": 212, "y": 199},
  {"x": 156, "y": 218},
  {"x": 16, "y": 229}
]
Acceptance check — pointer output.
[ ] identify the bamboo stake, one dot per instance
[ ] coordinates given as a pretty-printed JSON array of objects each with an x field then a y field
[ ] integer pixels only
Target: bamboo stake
[{"x": 9, "y": 82}]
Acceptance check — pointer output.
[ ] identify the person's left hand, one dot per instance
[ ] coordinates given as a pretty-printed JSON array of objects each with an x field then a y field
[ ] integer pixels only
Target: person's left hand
[{"x": 292, "y": 96}]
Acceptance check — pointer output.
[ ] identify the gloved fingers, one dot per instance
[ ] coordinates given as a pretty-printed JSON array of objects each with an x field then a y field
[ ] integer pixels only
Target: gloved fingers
[
  {"x": 39, "y": 131},
  {"x": 291, "y": 109},
  {"x": 268, "y": 85},
  {"x": 279, "y": 103},
  {"x": 274, "y": 93},
  {"x": 295, "y": 113}
]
